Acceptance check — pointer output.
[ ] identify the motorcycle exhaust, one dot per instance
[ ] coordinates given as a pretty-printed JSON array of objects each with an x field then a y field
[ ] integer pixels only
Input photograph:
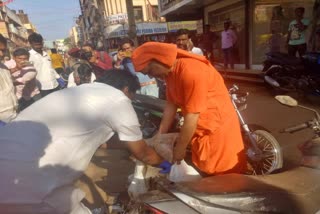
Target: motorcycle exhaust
[{"x": 271, "y": 81}]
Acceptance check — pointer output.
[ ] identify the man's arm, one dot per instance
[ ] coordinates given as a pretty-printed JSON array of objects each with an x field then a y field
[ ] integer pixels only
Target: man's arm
[
  {"x": 302, "y": 26},
  {"x": 169, "y": 113},
  {"x": 289, "y": 33},
  {"x": 106, "y": 63},
  {"x": 289, "y": 36},
  {"x": 186, "y": 133},
  {"x": 30, "y": 74},
  {"x": 144, "y": 153}
]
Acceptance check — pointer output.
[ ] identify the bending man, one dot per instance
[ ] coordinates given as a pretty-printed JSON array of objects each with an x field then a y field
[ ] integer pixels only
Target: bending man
[
  {"x": 210, "y": 121},
  {"x": 44, "y": 150}
]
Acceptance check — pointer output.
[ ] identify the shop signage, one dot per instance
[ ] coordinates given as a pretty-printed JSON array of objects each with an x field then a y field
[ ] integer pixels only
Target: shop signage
[
  {"x": 117, "y": 19},
  {"x": 144, "y": 28},
  {"x": 190, "y": 25}
]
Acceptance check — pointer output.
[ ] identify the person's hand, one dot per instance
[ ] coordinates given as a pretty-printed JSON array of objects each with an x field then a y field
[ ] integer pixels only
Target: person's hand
[
  {"x": 120, "y": 55},
  {"x": 61, "y": 82},
  {"x": 165, "y": 166},
  {"x": 12, "y": 70},
  {"x": 179, "y": 153},
  {"x": 93, "y": 59}
]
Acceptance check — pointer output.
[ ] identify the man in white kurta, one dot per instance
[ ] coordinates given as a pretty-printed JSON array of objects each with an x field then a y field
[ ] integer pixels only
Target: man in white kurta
[{"x": 43, "y": 151}]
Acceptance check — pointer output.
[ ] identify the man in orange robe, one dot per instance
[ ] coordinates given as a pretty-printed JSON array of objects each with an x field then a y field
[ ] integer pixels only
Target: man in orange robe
[{"x": 210, "y": 121}]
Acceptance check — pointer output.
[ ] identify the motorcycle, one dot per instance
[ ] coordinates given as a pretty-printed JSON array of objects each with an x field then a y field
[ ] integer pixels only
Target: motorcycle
[
  {"x": 294, "y": 191},
  {"x": 291, "y": 74},
  {"x": 263, "y": 151}
]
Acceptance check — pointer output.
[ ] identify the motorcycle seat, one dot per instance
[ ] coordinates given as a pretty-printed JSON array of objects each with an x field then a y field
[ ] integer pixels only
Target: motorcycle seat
[
  {"x": 286, "y": 192},
  {"x": 283, "y": 59},
  {"x": 149, "y": 102}
]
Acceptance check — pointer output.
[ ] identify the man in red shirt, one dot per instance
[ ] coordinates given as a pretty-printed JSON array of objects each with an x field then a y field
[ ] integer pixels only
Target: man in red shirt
[{"x": 99, "y": 60}]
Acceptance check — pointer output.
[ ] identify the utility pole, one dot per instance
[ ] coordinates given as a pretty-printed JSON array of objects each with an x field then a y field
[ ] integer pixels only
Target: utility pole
[{"x": 132, "y": 33}]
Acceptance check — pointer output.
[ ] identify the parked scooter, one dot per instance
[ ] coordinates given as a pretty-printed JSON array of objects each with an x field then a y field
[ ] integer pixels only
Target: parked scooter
[
  {"x": 262, "y": 149},
  {"x": 288, "y": 74},
  {"x": 295, "y": 191}
]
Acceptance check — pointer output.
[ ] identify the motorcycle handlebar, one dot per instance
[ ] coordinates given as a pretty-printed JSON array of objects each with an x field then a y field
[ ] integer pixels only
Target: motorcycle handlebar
[{"x": 295, "y": 128}]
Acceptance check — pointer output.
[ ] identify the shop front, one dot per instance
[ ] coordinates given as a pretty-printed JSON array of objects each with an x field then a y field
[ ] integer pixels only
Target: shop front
[
  {"x": 261, "y": 26},
  {"x": 215, "y": 15},
  {"x": 271, "y": 22}
]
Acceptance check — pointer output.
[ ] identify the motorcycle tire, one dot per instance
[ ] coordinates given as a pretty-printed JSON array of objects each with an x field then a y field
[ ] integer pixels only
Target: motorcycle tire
[{"x": 271, "y": 149}]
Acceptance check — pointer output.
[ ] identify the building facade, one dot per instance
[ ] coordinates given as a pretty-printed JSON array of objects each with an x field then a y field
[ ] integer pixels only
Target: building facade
[
  {"x": 104, "y": 22},
  {"x": 261, "y": 25},
  {"x": 12, "y": 28},
  {"x": 26, "y": 22},
  {"x": 74, "y": 36}
]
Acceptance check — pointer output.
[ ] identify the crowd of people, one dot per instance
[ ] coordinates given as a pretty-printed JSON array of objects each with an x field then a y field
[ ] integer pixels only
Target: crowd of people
[{"x": 51, "y": 129}]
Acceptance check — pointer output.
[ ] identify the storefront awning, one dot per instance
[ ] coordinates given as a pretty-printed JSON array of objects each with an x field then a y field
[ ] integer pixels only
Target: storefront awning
[
  {"x": 182, "y": 6},
  {"x": 190, "y": 25}
]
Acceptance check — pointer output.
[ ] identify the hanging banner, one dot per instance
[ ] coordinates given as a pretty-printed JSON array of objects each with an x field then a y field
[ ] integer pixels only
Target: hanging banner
[
  {"x": 145, "y": 28},
  {"x": 117, "y": 19}
]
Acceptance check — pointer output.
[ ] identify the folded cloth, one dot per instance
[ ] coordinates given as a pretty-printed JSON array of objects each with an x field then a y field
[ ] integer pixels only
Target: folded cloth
[{"x": 163, "y": 144}]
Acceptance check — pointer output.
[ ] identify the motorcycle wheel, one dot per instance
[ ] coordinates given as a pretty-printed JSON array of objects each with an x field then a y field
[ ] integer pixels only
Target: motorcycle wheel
[{"x": 272, "y": 158}]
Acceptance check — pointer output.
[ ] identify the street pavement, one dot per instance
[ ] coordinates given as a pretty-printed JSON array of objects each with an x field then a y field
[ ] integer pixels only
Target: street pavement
[
  {"x": 265, "y": 111},
  {"x": 109, "y": 169}
]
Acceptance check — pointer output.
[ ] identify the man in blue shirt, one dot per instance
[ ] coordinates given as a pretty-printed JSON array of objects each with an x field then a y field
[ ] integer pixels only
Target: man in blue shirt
[
  {"x": 123, "y": 60},
  {"x": 297, "y": 34}
]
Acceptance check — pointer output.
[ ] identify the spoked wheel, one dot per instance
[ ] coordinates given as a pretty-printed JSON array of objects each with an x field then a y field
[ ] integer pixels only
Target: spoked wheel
[{"x": 271, "y": 158}]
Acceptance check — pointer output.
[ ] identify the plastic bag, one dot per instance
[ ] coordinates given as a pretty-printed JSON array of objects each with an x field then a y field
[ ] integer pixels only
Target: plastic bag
[
  {"x": 183, "y": 172},
  {"x": 138, "y": 183}
]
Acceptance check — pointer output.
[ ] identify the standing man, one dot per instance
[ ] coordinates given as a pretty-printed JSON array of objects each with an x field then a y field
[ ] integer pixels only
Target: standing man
[
  {"x": 24, "y": 77},
  {"x": 228, "y": 40},
  {"x": 297, "y": 34},
  {"x": 123, "y": 60},
  {"x": 46, "y": 75},
  {"x": 50, "y": 144},
  {"x": 100, "y": 61},
  {"x": 8, "y": 99},
  {"x": 210, "y": 122},
  {"x": 57, "y": 61},
  {"x": 184, "y": 42}
]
